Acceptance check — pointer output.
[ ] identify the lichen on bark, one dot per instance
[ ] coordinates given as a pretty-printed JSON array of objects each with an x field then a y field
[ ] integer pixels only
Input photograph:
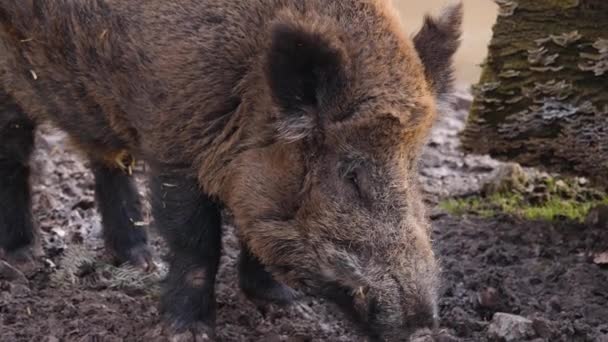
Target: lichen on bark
[{"x": 543, "y": 95}]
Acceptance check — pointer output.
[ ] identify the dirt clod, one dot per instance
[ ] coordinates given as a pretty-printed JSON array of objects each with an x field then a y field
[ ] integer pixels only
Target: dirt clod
[
  {"x": 488, "y": 298},
  {"x": 543, "y": 327},
  {"x": 300, "y": 338}
]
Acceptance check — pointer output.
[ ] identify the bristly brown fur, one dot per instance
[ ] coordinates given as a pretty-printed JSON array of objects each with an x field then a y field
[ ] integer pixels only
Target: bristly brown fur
[
  {"x": 304, "y": 118},
  {"x": 436, "y": 43}
]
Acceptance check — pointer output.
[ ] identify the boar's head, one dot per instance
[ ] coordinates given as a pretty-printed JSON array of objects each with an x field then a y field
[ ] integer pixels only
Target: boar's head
[{"x": 330, "y": 202}]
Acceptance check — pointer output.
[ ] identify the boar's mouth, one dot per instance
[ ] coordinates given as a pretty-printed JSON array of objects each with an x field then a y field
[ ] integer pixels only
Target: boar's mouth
[
  {"x": 365, "y": 320},
  {"x": 344, "y": 298},
  {"x": 363, "y": 309}
]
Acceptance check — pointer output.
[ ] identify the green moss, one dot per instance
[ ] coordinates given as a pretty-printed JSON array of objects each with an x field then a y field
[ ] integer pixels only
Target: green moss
[
  {"x": 471, "y": 205},
  {"x": 556, "y": 208},
  {"x": 558, "y": 199}
]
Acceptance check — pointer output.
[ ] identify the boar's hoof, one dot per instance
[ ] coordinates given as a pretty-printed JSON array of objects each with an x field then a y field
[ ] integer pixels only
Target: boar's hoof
[
  {"x": 138, "y": 256},
  {"x": 272, "y": 293},
  {"x": 141, "y": 257},
  {"x": 199, "y": 332}
]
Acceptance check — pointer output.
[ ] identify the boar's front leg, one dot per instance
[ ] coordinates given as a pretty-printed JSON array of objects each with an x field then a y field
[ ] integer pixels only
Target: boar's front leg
[
  {"x": 190, "y": 222},
  {"x": 17, "y": 235},
  {"x": 258, "y": 284},
  {"x": 120, "y": 208}
]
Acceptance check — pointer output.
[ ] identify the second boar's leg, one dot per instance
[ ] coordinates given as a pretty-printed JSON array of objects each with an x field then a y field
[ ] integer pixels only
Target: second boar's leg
[
  {"x": 190, "y": 223},
  {"x": 17, "y": 234},
  {"x": 120, "y": 208},
  {"x": 258, "y": 284}
]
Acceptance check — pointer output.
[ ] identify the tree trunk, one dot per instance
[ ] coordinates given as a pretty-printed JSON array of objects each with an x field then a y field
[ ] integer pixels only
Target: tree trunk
[{"x": 543, "y": 95}]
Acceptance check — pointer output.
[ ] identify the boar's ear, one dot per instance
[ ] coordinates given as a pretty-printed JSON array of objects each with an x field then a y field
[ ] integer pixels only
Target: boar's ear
[
  {"x": 305, "y": 69},
  {"x": 436, "y": 44}
]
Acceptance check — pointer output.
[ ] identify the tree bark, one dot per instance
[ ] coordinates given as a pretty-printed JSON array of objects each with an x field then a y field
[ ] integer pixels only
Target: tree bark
[{"x": 543, "y": 95}]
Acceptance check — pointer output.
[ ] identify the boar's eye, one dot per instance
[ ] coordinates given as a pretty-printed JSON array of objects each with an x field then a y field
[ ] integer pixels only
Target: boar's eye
[
  {"x": 17, "y": 125},
  {"x": 353, "y": 178}
]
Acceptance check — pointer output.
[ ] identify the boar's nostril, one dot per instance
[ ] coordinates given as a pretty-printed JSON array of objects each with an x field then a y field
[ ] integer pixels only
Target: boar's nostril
[{"x": 422, "y": 312}]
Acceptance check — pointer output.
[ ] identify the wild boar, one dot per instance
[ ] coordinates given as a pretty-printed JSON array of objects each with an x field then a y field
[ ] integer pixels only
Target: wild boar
[{"x": 303, "y": 118}]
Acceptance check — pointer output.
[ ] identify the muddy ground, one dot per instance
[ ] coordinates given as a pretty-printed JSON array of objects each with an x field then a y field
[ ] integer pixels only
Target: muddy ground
[{"x": 537, "y": 270}]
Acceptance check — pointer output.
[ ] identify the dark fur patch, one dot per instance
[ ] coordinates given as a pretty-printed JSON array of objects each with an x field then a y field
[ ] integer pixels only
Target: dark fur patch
[
  {"x": 16, "y": 228},
  {"x": 16, "y": 144},
  {"x": 303, "y": 68},
  {"x": 119, "y": 205}
]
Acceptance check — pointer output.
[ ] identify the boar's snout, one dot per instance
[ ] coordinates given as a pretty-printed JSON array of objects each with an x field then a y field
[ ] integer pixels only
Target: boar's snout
[
  {"x": 395, "y": 304},
  {"x": 395, "y": 315}
]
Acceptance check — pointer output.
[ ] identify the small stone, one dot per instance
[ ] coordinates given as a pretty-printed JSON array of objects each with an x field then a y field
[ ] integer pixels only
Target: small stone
[
  {"x": 48, "y": 263},
  {"x": 600, "y": 258},
  {"x": 508, "y": 178},
  {"x": 510, "y": 328}
]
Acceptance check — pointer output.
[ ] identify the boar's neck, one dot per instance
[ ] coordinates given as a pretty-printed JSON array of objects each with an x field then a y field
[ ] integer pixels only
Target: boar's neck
[
  {"x": 215, "y": 109},
  {"x": 213, "y": 104}
]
